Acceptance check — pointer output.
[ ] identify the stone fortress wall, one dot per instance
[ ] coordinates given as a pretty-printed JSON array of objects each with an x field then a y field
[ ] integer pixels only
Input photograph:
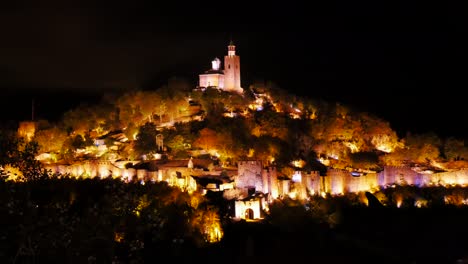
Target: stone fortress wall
[{"x": 252, "y": 174}]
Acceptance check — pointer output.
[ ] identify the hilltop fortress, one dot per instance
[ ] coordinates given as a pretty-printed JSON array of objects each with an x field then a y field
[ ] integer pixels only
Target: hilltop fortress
[{"x": 251, "y": 184}]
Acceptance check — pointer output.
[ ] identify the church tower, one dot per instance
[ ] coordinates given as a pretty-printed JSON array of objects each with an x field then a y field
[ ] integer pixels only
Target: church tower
[{"x": 232, "y": 70}]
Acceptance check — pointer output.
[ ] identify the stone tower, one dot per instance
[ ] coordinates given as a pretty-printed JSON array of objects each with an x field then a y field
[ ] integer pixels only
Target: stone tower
[
  {"x": 232, "y": 70},
  {"x": 250, "y": 175}
]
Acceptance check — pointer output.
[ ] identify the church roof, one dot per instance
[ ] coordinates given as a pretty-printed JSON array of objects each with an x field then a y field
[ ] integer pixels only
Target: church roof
[{"x": 211, "y": 71}]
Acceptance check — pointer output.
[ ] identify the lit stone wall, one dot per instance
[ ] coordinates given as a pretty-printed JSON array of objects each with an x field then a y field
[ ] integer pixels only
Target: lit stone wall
[
  {"x": 88, "y": 169},
  {"x": 179, "y": 177},
  {"x": 153, "y": 176},
  {"x": 250, "y": 175},
  {"x": 212, "y": 79},
  {"x": 232, "y": 81},
  {"x": 270, "y": 181},
  {"x": 335, "y": 181},
  {"x": 142, "y": 175},
  {"x": 265, "y": 181},
  {"x": 362, "y": 183},
  {"x": 226, "y": 186},
  {"x": 298, "y": 191},
  {"x": 241, "y": 208},
  {"x": 128, "y": 174},
  {"x": 103, "y": 169},
  {"x": 312, "y": 182},
  {"x": 341, "y": 181},
  {"x": 450, "y": 178},
  {"x": 284, "y": 187},
  {"x": 398, "y": 175}
]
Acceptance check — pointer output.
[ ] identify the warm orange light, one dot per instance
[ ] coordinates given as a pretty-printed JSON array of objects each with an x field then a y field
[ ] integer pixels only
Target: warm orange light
[
  {"x": 353, "y": 147},
  {"x": 143, "y": 202},
  {"x": 214, "y": 232},
  {"x": 298, "y": 163},
  {"x": 14, "y": 174},
  {"x": 118, "y": 237},
  {"x": 385, "y": 143},
  {"x": 399, "y": 201}
]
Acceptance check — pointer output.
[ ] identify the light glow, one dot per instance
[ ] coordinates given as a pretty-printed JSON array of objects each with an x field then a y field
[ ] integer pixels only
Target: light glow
[
  {"x": 298, "y": 163},
  {"x": 297, "y": 176}
]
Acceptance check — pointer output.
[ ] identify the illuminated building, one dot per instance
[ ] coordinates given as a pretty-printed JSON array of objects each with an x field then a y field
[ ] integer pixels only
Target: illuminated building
[{"x": 228, "y": 79}]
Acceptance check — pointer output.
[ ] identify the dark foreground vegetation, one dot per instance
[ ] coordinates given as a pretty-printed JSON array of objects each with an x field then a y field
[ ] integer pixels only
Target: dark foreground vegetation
[
  {"x": 98, "y": 221},
  {"x": 107, "y": 221},
  {"x": 366, "y": 235}
]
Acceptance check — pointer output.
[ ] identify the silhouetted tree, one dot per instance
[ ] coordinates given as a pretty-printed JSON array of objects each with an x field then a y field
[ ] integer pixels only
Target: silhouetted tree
[{"x": 146, "y": 139}]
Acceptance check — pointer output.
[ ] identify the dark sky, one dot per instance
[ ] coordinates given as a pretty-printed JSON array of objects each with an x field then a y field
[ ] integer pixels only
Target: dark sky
[{"x": 404, "y": 61}]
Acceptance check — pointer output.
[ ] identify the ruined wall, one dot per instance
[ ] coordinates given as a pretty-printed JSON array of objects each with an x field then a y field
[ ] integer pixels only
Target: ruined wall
[
  {"x": 338, "y": 181},
  {"x": 283, "y": 188},
  {"x": 450, "y": 178},
  {"x": 311, "y": 182},
  {"x": 341, "y": 181},
  {"x": 401, "y": 175},
  {"x": 179, "y": 177},
  {"x": 335, "y": 181},
  {"x": 252, "y": 175},
  {"x": 90, "y": 169},
  {"x": 365, "y": 182}
]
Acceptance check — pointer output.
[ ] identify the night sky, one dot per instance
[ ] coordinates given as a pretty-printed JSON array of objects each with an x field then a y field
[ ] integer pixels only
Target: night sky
[{"x": 403, "y": 61}]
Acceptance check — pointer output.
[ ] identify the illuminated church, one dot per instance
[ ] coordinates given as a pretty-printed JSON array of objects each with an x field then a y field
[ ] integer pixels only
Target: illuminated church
[{"x": 227, "y": 79}]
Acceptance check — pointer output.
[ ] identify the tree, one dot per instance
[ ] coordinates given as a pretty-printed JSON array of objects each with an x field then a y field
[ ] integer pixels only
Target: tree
[
  {"x": 211, "y": 102},
  {"x": 266, "y": 148},
  {"x": 149, "y": 102},
  {"x": 207, "y": 139},
  {"x": 21, "y": 155},
  {"x": 379, "y": 134},
  {"x": 174, "y": 95},
  {"x": 129, "y": 110},
  {"x": 31, "y": 168},
  {"x": 454, "y": 149},
  {"x": 423, "y": 148},
  {"x": 50, "y": 140},
  {"x": 161, "y": 110},
  {"x": 237, "y": 101},
  {"x": 78, "y": 120},
  {"x": 270, "y": 123},
  {"x": 131, "y": 131},
  {"x": 146, "y": 139},
  {"x": 8, "y": 147},
  {"x": 176, "y": 143},
  {"x": 364, "y": 160},
  {"x": 417, "y": 148}
]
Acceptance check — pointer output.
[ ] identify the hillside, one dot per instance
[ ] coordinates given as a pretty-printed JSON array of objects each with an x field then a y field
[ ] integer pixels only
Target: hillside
[{"x": 265, "y": 123}]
